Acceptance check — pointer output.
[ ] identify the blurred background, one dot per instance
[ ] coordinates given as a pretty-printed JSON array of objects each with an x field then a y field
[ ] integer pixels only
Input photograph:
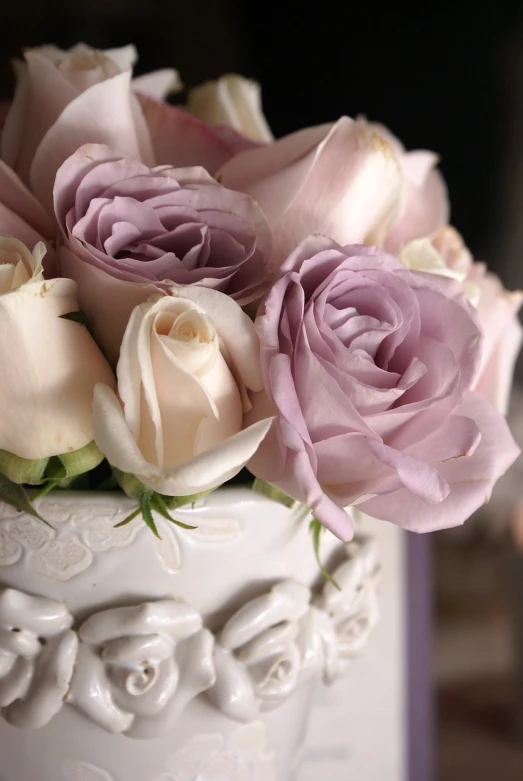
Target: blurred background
[{"x": 448, "y": 79}]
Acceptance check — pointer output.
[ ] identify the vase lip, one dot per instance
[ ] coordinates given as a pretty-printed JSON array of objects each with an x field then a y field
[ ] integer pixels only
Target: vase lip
[{"x": 225, "y": 496}]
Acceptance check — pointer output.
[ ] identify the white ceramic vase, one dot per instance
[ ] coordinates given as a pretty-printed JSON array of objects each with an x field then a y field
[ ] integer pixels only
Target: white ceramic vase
[{"x": 193, "y": 658}]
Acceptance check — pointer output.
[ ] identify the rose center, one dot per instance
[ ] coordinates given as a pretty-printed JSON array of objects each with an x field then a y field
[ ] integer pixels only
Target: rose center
[{"x": 140, "y": 680}]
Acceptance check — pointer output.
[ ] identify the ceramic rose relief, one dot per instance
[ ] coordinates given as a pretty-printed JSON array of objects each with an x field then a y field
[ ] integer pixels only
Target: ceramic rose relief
[
  {"x": 186, "y": 301},
  {"x": 134, "y": 669},
  {"x": 138, "y": 669}
]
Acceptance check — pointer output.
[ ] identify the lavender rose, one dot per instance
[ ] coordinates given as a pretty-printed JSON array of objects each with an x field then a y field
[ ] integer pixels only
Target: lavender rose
[
  {"x": 123, "y": 222},
  {"x": 369, "y": 366}
]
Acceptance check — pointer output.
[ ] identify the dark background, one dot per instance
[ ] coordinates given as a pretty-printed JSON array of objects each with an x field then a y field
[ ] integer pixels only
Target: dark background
[{"x": 447, "y": 76}]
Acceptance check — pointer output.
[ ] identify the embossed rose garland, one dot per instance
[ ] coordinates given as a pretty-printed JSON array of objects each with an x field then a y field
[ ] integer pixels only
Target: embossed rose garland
[{"x": 182, "y": 296}]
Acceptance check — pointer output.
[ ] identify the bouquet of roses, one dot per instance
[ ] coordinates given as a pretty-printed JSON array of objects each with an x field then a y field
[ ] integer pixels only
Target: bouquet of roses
[{"x": 182, "y": 296}]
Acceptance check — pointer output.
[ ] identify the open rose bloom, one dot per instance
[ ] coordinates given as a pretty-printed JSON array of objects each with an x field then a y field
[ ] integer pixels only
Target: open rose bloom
[{"x": 182, "y": 295}]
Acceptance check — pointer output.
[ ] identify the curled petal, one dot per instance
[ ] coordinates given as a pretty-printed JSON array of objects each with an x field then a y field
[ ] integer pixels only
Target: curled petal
[
  {"x": 268, "y": 642},
  {"x": 471, "y": 479},
  {"x": 19, "y": 643},
  {"x": 91, "y": 692},
  {"x": 287, "y": 601},
  {"x": 350, "y": 576},
  {"x": 145, "y": 691},
  {"x": 16, "y": 683},
  {"x": 49, "y": 685},
  {"x": 353, "y": 631},
  {"x": 342, "y": 180},
  {"x": 131, "y": 650},
  {"x": 318, "y": 646},
  {"x": 40, "y": 615},
  {"x": 106, "y": 113},
  {"x": 197, "y": 674},
  {"x": 233, "y": 691},
  {"x": 204, "y": 472},
  {"x": 158, "y": 84},
  {"x": 233, "y": 101},
  {"x": 164, "y": 616},
  {"x": 235, "y": 329},
  {"x": 15, "y": 197},
  {"x": 181, "y": 140},
  {"x": 276, "y": 678}
]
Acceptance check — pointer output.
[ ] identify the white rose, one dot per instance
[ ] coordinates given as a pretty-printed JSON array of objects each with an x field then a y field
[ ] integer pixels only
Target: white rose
[
  {"x": 445, "y": 253},
  {"x": 233, "y": 101},
  {"x": 49, "y": 365},
  {"x": 177, "y": 424}
]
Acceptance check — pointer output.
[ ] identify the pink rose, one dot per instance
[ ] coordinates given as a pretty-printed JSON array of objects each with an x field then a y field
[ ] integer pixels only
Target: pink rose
[
  {"x": 444, "y": 252},
  {"x": 181, "y": 140},
  {"x": 64, "y": 99},
  {"x": 424, "y": 203},
  {"x": 369, "y": 368},
  {"x": 21, "y": 215},
  {"x": 342, "y": 180},
  {"x": 129, "y": 231}
]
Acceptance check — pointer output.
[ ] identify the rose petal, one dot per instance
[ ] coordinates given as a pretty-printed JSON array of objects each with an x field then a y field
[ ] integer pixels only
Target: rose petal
[
  {"x": 58, "y": 366},
  {"x": 106, "y": 113},
  {"x": 470, "y": 478},
  {"x": 158, "y": 84},
  {"x": 204, "y": 472},
  {"x": 181, "y": 140},
  {"x": 303, "y": 187}
]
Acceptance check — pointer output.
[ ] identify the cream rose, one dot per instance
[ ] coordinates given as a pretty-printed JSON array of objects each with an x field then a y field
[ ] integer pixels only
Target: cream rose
[
  {"x": 233, "y": 101},
  {"x": 48, "y": 365},
  {"x": 444, "y": 252},
  {"x": 185, "y": 365},
  {"x": 17, "y": 264}
]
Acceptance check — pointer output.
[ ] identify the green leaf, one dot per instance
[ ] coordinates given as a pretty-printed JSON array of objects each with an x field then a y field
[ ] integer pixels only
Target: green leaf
[
  {"x": 129, "y": 518},
  {"x": 14, "y": 495},
  {"x": 268, "y": 490},
  {"x": 316, "y": 529},
  {"x": 158, "y": 504},
  {"x": 145, "y": 507},
  {"x": 76, "y": 317}
]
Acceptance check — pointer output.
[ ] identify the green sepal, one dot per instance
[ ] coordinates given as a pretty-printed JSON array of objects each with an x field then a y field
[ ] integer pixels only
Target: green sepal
[
  {"x": 268, "y": 490},
  {"x": 150, "y": 500},
  {"x": 135, "y": 489},
  {"x": 129, "y": 518},
  {"x": 130, "y": 484},
  {"x": 158, "y": 503},
  {"x": 147, "y": 515},
  {"x": 316, "y": 529},
  {"x": 175, "y": 502},
  {"x": 80, "y": 461},
  {"x": 15, "y": 495},
  {"x": 22, "y": 470}
]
